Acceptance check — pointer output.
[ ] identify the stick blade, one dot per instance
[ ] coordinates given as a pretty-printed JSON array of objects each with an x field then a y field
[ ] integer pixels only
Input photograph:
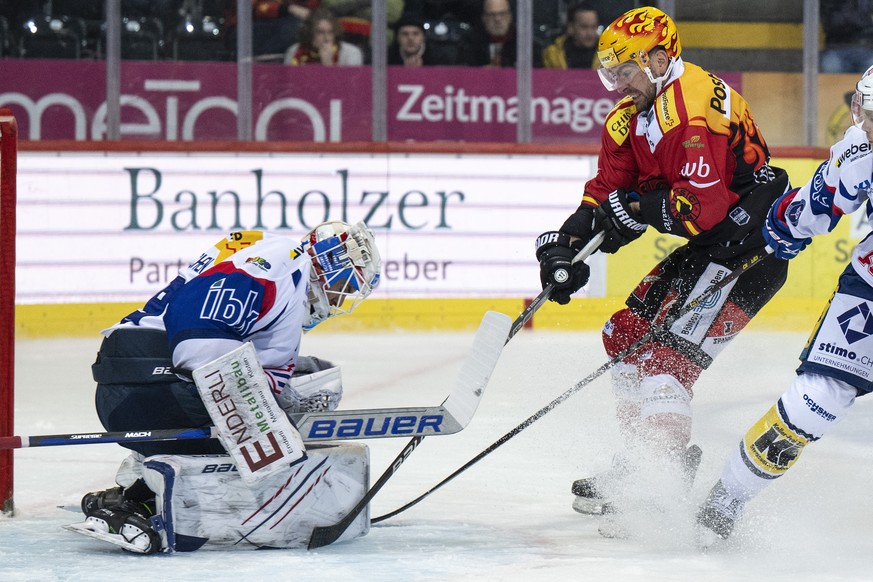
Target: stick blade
[
  {"x": 478, "y": 366},
  {"x": 325, "y": 535}
]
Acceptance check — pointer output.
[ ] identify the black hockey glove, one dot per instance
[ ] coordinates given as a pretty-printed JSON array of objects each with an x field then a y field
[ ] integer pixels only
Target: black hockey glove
[
  {"x": 555, "y": 254},
  {"x": 580, "y": 224},
  {"x": 619, "y": 223}
]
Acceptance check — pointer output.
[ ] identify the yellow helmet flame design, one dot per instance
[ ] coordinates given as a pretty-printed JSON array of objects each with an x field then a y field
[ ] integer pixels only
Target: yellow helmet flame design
[{"x": 634, "y": 34}]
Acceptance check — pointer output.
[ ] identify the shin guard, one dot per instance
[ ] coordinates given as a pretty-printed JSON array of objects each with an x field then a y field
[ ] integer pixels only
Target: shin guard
[{"x": 805, "y": 412}]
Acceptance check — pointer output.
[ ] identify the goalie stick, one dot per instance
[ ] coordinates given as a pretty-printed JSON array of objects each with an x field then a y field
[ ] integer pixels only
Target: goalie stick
[
  {"x": 462, "y": 402},
  {"x": 324, "y": 535},
  {"x": 653, "y": 332},
  {"x": 371, "y": 423},
  {"x": 450, "y": 417}
]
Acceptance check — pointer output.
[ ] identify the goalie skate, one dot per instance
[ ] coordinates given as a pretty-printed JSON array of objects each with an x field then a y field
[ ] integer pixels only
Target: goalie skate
[{"x": 123, "y": 525}]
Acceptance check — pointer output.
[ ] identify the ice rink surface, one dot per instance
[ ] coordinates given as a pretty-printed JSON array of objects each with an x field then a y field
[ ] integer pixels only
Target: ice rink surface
[{"x": 506, "y": 518}]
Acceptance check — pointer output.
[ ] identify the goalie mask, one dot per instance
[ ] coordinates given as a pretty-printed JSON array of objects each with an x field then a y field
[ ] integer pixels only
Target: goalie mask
[
  {"x": 862, "y": 101},
  {"x": 624, "y": 46},
  {"x": 345, "y": 269}
]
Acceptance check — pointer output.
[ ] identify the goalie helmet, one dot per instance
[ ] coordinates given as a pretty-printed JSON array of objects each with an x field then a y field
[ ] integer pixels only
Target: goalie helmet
[
  {"x": 346, "y": 267},
  {"x": 630, "y": 38},
  {"x": 863, "y": 98}
]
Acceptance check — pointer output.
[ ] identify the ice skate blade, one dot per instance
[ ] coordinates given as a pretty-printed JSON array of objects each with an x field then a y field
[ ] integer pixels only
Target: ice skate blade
[
  {"x": 87, "y": 529},
  {"x": 591, "y": 506}
]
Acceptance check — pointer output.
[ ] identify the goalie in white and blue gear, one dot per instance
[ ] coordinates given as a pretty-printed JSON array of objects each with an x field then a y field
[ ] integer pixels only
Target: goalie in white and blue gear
[
  {"x": 837, "y": 362},
  {"x": 252, "y": 287}
]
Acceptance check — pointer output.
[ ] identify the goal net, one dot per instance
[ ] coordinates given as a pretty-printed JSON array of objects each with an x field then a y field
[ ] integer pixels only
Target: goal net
[{"x": 8, "y": 155}]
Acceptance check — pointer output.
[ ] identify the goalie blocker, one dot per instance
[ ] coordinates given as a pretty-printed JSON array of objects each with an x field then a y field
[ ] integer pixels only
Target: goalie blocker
[{"x": 251, "y": 425}]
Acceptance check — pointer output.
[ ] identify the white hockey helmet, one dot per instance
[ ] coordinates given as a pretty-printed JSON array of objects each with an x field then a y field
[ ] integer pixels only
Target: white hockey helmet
[
  {"x": 863, "y": 98},
  {"x": 346, "y": 267}
]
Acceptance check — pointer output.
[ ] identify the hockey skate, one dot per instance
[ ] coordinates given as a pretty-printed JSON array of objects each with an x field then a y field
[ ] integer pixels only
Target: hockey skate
[
  {"x": 717, "y": 516},
  {"x": 126, "y": 525},
  {"x": 95, "y": 500},
  {"x": 622, "y": 521},
  {"x": 591, "y": 492}
]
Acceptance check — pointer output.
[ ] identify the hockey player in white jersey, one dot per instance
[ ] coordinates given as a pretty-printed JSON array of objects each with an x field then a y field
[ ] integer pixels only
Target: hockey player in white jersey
[
  {"x": 837, "y": 361},
  {"x": 250, "y": 287}
]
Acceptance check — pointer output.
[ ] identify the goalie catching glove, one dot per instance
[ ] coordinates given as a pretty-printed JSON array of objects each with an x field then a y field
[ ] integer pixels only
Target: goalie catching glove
[
  {"x": 618, "y": 221},
  {"x": 555, "y": 253}
]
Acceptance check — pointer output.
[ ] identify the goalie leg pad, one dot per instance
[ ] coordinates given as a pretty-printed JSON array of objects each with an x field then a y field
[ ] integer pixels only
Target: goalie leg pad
[
  {"x": 202, "y": 501},
  {"x": 130, "y": 470}
]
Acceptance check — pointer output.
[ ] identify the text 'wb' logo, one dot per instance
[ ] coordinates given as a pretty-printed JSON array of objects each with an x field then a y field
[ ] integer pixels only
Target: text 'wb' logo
[{"x": 856, "y": 323}]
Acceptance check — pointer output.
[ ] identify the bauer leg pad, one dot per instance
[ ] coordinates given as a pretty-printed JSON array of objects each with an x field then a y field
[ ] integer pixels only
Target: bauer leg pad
[{"x": 202, "y": 501}]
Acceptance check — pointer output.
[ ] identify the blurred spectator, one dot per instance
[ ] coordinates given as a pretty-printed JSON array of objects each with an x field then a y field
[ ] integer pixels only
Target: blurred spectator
[
  {"x": 410, "y": 44},
  {"x": 491, "y": 42},
  {"x": 276, "y": 24},
  {"x": 355, "y": 16},
  {"x": 577, "y": 49},
  {"x": 321, "y": 43},
  {"x": 848, "y": 28}
]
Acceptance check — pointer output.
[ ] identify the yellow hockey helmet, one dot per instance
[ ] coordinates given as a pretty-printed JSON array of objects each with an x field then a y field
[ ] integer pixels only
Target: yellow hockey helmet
[{"x": 634, "y": 34}]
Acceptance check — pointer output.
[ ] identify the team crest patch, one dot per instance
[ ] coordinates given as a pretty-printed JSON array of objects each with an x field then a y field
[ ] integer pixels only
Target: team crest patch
[
  {"x": 684, "y": 205},
  {"x": 856, "y": 323},
  {"x": 794, "y": 210}
]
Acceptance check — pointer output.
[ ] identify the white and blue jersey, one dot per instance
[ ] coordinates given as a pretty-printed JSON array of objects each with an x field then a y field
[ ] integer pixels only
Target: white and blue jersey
[
  {"x": 839, "y": 186},
  {"x": 841, "y": 345},
  {"x": 251, "y": 286}
]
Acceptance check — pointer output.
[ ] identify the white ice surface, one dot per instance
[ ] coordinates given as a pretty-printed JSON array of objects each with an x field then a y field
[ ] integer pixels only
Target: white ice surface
[{"x": 506, "y": 518}]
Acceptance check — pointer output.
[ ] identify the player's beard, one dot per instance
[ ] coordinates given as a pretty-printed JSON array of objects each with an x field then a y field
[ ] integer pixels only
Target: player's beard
[{"x": 642, "y": 100}]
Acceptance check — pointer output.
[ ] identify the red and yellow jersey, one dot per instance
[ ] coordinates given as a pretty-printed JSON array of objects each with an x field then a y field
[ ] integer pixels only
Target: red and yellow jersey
[{"x": 691, "y": 157}]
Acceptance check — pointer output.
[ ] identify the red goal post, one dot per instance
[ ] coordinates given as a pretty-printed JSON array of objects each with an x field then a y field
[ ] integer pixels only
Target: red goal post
[{"x": 8, "y": 172}]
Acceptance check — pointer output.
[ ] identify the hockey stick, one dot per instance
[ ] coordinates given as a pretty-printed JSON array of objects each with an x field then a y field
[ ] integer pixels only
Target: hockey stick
[
  {"x": 372, "y": 423},
  {"x": 322, "y": 536},
  {"x": 653, "y": 332},
  {"x": 325, "y": 535},
  {"x": 544, "y": 295},
  {"x": 448, "y": 418},
  {"x": 462, "y": 402}
]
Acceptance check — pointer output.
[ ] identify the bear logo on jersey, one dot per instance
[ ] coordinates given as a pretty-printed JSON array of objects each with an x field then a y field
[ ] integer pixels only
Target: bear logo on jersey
[{"x": 684, "y": 205}]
